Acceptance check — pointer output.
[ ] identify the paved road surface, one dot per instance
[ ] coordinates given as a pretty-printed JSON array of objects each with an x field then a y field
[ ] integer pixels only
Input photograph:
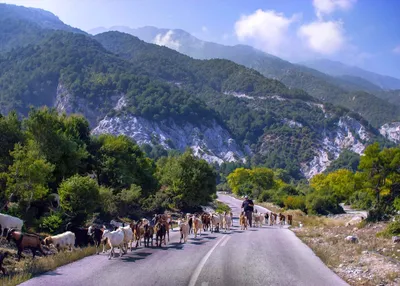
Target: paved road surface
[{"x": 259, "y": 256}]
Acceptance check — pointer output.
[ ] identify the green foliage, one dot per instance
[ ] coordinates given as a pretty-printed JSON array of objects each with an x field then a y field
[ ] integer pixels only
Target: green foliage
[
  {"x": 189, "y": 182},
  {"x": 295, "y": 203},
  {"x": 10, "y": 134},
  {"x": 251, "y": 181},
  {"x": 222, "y": 208},
  {"x": 393, "y": 229},
  {"x": 52, "y": 223},
  {"x": 347, "y": 160},
  {"x": 322, "y": 203},
  {"x": 128, "y": 200},
  {"x": 60, "y": 140},
  {"x": 79, "y": 196},
  {"x": 119, "y": 163},
  {"x": 383, "y": 178},
  {"x": 107, "y": 201},
  {"x": 29, "y": 174}
]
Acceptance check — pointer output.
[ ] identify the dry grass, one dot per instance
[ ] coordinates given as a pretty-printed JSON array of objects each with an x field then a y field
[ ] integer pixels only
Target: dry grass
[
  {"x": 28, "y": 268},
  {"x": 372, "y": 261}
]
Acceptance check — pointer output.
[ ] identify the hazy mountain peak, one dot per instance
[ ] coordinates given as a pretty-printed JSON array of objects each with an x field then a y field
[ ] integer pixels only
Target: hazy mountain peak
[{"x": 337, "y": 68}]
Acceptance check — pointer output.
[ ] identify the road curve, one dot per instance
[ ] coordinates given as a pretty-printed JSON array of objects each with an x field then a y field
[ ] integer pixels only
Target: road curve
[{"x": 258, "y": 256}]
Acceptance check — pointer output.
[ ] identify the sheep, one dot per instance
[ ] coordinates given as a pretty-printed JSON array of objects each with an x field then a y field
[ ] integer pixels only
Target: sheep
[
  {"x": 61, "y": 241},
  {"x": 115, "y": 239},
  {"x": 8, "y": 222},
  {"x": 128, "y": 236},
  {"x": 25, "y": 240}
]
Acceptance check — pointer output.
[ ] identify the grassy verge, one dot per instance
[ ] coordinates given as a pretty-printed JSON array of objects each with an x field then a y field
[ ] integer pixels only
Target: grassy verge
[
  {"x": 28, "y": 268},
  {"x": 221, "y": 207}
]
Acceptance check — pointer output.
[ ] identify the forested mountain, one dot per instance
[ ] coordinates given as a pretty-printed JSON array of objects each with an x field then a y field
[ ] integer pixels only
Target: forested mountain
[
  {"x": 21, "y": 26},
  {"x": 337, "y": 90},
  {"x": 336, "y": 68},
  {"x": 223, "y": 111}
]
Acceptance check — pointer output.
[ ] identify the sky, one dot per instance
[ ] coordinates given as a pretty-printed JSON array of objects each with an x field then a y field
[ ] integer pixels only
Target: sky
[{"x": 364, "y": 33}]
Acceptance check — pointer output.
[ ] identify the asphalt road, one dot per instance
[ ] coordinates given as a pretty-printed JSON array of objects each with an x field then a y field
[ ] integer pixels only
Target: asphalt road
[{"x": 258, "y": 256}]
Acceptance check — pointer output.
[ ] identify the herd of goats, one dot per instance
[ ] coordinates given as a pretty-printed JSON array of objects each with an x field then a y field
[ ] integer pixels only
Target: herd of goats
[{"x": 122, "y": 236}]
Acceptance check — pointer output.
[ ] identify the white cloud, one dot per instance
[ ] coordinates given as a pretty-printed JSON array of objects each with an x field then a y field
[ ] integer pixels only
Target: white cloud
[
  {"x": 329, "y": 6},
  {"x": 267, "y": 29},
  {"x": 323, "y": 37},
  {"x": 204, "y": 29},
  {"x": 167, "y": 40},
  {"x": 396, "y": 50}
]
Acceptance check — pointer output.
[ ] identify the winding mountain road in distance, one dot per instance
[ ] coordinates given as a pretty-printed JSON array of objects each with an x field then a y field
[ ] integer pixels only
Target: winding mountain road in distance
[{"x": 270, "y": 255}]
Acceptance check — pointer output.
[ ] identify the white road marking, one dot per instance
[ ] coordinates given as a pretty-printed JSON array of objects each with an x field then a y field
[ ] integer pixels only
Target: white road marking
[
  {"x": 225, "y": 241},
  {"x": 199, "y": 267}
]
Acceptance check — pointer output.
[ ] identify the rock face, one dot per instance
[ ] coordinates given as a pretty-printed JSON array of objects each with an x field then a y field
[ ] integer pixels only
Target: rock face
[
  {"x": 391, "y": 131},
  {"x": 209, "y": 141},
  {"x": 349, "y": 134},
  {"x": 65, "y": 102}
]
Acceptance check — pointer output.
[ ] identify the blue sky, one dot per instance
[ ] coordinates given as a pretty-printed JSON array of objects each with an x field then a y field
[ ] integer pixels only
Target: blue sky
[{"x": 357, "y": 32}]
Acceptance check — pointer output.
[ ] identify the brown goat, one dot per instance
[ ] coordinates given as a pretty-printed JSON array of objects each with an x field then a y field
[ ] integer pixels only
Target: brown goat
[
  {"x": 25, "y": 240},
  {"x": 148, "y": 234}
]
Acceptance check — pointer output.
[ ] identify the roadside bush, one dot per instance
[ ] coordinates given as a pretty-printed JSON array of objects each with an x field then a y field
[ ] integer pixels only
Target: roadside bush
[
  {"x": 79, "y": 196},
  {"x": 265, "y": 196},
  {"x": 295, "y": 203},
  {"x": 392, "y": 229},
  {"x": 221, "y": 208},
  {"x": 322, "y": 204},
  {"x": 51, "y": 223}
]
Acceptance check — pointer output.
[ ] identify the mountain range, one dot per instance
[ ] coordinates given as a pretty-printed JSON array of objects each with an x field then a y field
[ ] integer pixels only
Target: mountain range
[{"x": 170, "y": 90}]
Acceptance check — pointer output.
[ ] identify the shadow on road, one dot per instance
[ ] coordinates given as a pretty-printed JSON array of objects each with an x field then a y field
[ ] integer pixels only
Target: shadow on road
[{"x": 51, "y": 274}]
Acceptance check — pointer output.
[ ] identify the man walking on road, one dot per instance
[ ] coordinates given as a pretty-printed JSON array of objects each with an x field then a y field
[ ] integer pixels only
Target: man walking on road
[{"x": 248, "y": 207}]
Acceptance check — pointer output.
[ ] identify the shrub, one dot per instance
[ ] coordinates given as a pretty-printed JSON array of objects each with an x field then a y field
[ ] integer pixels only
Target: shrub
[
  {"x": 221, "y": 208},
  {"x": 265, "y": 196},
  {"x": 79, "y": 196},
  {"x": 295, "y": 203},
  {"x": 392, "y": 229},
  {"x": 322, "y": 204},
  {"x": 51, "y": 223}
]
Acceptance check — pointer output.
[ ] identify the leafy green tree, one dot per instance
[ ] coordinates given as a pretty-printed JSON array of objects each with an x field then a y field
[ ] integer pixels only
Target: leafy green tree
[
  {"x": 10, "y": 134},
  {"x": 383, "y": 178},
  {"x": 128, "y": 200},
  {"x": 29, "y": 175},
  {"x": 119, "y": 163},
  {"x": 189, "y": 181},
  {"x": 79, "y": 196},
  {"x": 59, "y": 140}
]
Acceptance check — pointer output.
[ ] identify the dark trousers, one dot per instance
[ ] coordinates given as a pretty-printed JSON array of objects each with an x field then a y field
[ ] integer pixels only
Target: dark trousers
[{"x": 249, "y": 215}]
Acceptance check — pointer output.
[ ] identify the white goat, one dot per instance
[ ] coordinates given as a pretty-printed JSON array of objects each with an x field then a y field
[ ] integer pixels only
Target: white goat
[
  {"x": 61, "y": 241},
  {"x": 128, "y": 236},
  {"x": 115, "y": 239},
  {"x": 116, "y": 223},
  {"x": 8, "y": 222},
  {"x": 216, "y": 220}
]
